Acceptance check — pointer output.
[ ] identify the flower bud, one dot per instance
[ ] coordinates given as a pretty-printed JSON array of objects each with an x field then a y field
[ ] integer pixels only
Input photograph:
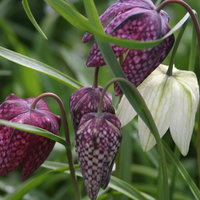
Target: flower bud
[
  {"x": 97, "y": 142},
  {"x": 86, "y": 100},
  {"x": 18, "y": 148}
]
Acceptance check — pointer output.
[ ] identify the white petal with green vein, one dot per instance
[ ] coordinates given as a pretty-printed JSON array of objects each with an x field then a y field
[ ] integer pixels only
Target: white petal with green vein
[{"x": 173, "y": 102}]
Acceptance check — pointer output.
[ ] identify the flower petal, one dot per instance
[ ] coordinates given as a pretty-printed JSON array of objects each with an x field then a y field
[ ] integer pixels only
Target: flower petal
[
  {"x": 120, "y": 7},
  {"x": 186, "y": 95},
  {"x": 125, "y": 111},
  {"x": 138, "y": 64},
  {"x": 159, "y": 100},
  {"x": 135, "y": 24}
]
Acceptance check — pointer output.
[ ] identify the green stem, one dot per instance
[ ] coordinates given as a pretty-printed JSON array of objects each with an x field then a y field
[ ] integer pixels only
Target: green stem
[
  {"x": 67, "y": 136},
  {"x": 174, "y": 174},
  {"x": 198, "y": 146},
  {"x": 178, "y": 39},
  {"x": 164, "y": 193},
  {"x": 135, "y": 99}
]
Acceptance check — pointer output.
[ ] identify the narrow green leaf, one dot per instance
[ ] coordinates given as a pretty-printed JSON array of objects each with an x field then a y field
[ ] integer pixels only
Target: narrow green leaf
[
  {"x": 31, "y": 17},
  {"x": 32, "y": 183},
  {"x": 115, "y": 183},
  {"x": 34, "y": 130},
  {"x": 128, "y": 190},
  {"x": 193, "y": 51},
  {"x": 67, "y": 11},
  {"x": 134, "y": 98},
  {"x": 194, "y": 189},
  {"x": 39, "y": 66},
  {"x": 57, "y": 167},
  {"x": 79, "y": 21}
]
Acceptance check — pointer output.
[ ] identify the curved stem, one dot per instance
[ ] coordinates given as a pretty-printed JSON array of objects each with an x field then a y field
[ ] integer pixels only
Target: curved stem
[
  {"x": 67, "y": 136},
  {"x": 163, "y": 164},
  {"x": 191, "y": 12},
  {"x": 96, "y": 76},
  {"x": 180, "y": 35}
]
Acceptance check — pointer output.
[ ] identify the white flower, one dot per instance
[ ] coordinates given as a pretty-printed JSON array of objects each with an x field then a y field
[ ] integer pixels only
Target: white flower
[{"x": 173, "y": 102}]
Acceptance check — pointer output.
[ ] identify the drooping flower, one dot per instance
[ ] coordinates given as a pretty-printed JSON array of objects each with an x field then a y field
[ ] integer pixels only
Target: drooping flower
[
  {"x": 134, "y": 20},
  {"x": 86, "y": 100},
  {"x": 97, "y": 141},
  {"x": 18, "y": 148},
  {"x": 173, "y": 102}
]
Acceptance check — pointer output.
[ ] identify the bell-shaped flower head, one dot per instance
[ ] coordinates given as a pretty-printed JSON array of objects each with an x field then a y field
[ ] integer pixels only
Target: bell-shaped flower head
[
  {"x": 134, "y": 20},
  {"x": 86, "y": 100},
  {"x": 172, "y": 101},
  {"x": 18, "y": 148},
  {"x": 97, "y": 142}
]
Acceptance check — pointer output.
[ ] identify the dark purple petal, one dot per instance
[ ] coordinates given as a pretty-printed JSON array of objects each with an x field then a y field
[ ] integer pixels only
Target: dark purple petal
[
  {"x": 148, "y": 4},
  {"x": 21, "y": 148},
  {"x": 120, "y": 7},
  {"x": 39, "y": 147},
  {"x": 97, "y": 141},
  {"x": 13, "y": 148},
  {"x": 135, "y": 24},
  {"x": 12, "y": 106},
  {"x": 86, "y": 100},
  {"x": 140, "y": 63}
]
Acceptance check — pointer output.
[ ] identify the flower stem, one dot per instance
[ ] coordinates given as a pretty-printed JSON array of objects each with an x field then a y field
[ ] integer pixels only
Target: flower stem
[
  {"x": 198, "y": 146},
  {"x": 67, "y": 136},
  {"x": 131, "y": 93},
  {"x": 96, "y": 76},
  {"x": 176, "y": 45},
  {"x": 174, "y": 174},
  {"x": 163, "y": 163},
  {"x": 191, "y": 12}
]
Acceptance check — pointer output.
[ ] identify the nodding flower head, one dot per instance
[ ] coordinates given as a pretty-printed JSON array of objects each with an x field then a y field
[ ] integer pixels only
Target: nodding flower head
[
  {"x": 97, "y": 141},
  {"x": 134, "y": 20},
  {"x": 18, "y": 148},
  {"x": 86, "y": 100}
]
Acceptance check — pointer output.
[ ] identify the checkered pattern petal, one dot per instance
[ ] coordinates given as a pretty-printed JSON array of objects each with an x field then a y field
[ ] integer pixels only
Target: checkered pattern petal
[
  {"x": 21, "y": 148},
  {"x": 86, "y": 100},
  {"x": 97, "y": 141}
]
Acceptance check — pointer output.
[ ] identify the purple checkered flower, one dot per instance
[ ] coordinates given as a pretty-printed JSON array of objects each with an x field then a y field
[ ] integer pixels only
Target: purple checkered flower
[
  {"x": 86, "y": 100},
  {"x": 18, "y": 148},
  {"x": 134, "y": 20},
  {"x": 97, "y": 142}
]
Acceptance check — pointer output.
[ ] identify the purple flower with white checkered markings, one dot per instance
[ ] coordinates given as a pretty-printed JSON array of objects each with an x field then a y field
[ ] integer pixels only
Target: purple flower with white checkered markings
[
  {"x": 86, "y": 100},
  {"x": 97, "y": 141},
  {"x": 134, "y": 20},
  {"x": 18, "y": 148}
]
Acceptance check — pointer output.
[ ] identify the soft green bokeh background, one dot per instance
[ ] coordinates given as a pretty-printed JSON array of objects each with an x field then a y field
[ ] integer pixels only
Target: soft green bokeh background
[{"x": 65, "y": 51}]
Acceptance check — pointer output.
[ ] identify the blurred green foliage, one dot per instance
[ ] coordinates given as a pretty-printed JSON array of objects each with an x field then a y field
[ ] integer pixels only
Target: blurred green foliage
[{"x": 64, "y": 51}]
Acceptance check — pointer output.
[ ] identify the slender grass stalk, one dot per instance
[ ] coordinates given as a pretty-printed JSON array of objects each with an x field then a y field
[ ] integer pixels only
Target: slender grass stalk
[
  {"x": 110, "y": 59},
  {"x": 174, "y": 174},
  {"x": 163, "y": 178},
  {"x": 67, "y": 136},
  {"x": 193, "y": 51},
  {"x": 178, "y": 39},
  {"x": 198, "y": 147}
]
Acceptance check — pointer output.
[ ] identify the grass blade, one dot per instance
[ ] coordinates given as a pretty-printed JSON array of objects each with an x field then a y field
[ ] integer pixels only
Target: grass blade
[
  {"x": 39, "y": 66},
  {"x": 34, "y": 130},
  {"x": 31, "y": 17}
]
